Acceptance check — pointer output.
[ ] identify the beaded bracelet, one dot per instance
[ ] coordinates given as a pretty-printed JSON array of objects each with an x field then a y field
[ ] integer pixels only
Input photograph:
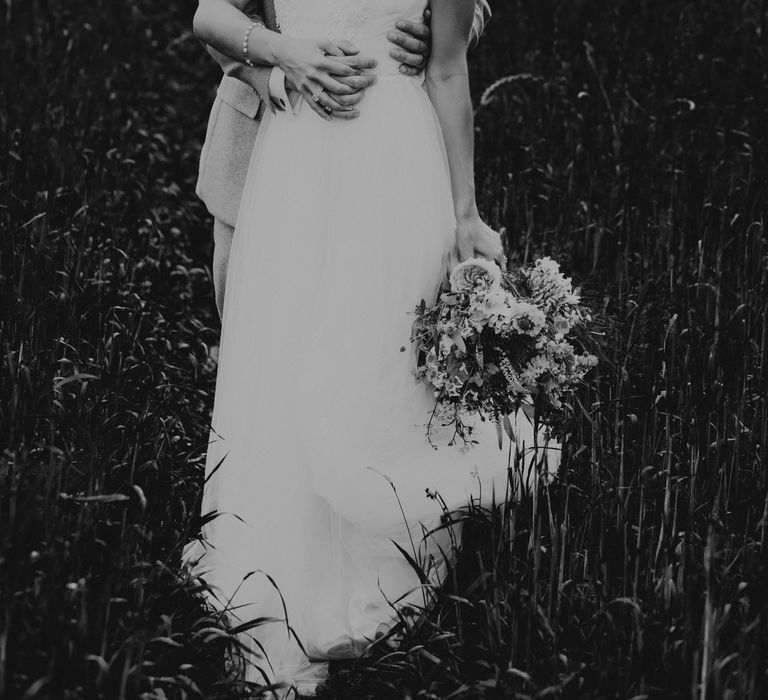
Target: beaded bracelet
[{"x": 246, "y": 58}]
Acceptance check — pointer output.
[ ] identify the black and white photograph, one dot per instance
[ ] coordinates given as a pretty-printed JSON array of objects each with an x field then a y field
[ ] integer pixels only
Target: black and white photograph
[{"x": 383, "y": 350}]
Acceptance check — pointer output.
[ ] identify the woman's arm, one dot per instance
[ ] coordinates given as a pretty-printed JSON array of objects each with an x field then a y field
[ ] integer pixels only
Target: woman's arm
[
  {"x": 258, "y": 77},
  {"x": 448, "y": 88},
  {"x": 222, "y": 24}
]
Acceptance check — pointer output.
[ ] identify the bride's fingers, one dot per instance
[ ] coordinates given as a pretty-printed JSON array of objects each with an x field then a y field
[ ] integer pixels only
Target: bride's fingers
[
  {"x": 502, "y": 255},
  {"x": 344, "y": 107},
  {"x": 329, "y": 105},
  {"x": 358, "y": 63},
  {"x": 331, "y": 49},
  {"x": 348, "y": 101},
  {"x": 490, "y": 250},
  {"x": 340, "y": 65},
  {"x": 497, "y": 255},
  {"x": 331, "y": 84},
  {"x": 356, "y": 82},
  {"x": 492, "y": 247},
  {"x": 317, "y": 98},
  {"x": 348, "y": 48},
  {"x": 346, "y": 114}
]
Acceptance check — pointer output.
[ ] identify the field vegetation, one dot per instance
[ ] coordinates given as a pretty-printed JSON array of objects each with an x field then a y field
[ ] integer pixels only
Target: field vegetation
[{"x": 625, "y": 137}]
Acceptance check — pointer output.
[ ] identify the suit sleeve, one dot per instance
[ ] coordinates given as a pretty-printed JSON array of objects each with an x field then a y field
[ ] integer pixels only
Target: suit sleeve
[{"x": 257, "y": 78}]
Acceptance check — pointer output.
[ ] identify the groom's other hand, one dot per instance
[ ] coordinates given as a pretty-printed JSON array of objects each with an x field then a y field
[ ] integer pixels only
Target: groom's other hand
[{"x": 413, "y": 41}]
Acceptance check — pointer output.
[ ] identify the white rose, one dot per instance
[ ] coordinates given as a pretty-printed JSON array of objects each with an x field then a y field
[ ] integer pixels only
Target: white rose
[{"x": 475, "y": 276}]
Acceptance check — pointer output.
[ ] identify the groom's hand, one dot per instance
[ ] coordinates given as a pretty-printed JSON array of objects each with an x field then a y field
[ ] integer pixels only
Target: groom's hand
[{"x": 413, "y": 41}]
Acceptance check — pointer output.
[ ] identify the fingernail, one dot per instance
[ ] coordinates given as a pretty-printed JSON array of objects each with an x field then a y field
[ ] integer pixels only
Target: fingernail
[
  {"x": 400, "y": 25},
  {"x": 391, "y": 36}
]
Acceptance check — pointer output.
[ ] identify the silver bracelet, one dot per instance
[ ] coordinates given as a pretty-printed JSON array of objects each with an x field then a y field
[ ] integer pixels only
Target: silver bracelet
[{"x": 246, "y": 58}]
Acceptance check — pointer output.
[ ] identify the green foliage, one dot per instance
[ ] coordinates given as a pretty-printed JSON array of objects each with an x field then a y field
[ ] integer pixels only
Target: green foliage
[{"x": 625, "y": 138}]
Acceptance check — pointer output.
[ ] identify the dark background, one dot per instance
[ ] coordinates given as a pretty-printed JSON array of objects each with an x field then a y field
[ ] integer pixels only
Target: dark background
[{"x": 625, "y": 137}]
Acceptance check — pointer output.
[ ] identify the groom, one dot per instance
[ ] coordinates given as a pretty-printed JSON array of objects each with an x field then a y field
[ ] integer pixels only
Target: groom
[{"x": 242, "y": 97}]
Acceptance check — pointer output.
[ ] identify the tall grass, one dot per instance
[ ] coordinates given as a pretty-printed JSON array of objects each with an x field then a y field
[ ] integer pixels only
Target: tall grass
[
  {"x": 626, "y": 138},
  {"x": 105, "y": 319}
]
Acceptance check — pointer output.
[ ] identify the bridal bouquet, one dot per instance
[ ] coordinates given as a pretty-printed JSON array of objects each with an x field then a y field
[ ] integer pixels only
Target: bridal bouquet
[{"x": 495, "y": 341}]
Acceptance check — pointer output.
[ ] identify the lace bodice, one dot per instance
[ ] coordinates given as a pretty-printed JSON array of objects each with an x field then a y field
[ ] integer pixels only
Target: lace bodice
[
  {"x": 363, "y": 22},
  {"x": 341, "y": 17}
]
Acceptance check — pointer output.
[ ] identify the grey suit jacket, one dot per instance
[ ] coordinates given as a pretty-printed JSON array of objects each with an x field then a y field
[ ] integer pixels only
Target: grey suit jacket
[{"x": 232, "y": 127}]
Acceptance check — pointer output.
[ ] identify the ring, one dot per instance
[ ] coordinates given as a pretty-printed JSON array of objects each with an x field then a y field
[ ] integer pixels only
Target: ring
[{"x": 316, "y": 96}]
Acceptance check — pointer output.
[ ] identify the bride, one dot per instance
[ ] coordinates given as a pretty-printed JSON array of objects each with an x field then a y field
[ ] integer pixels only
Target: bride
[{"x": 319, "y": 468}]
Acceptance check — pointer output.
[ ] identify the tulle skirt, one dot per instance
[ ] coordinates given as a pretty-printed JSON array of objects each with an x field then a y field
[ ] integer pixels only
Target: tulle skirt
[{"x": 319, "y": 464}]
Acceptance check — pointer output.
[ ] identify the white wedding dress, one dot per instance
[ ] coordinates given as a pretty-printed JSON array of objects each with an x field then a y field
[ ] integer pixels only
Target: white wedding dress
[{"x": 344, "y": 227}]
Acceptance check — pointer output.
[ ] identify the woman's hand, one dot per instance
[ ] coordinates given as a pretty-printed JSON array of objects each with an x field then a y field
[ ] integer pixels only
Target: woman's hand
[
  {"x": 474, "y": 238},
  {"x": 325, "y": 70}
]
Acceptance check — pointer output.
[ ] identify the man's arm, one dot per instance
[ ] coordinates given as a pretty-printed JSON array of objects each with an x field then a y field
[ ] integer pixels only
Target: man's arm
[{"x": 257, "y": 78}]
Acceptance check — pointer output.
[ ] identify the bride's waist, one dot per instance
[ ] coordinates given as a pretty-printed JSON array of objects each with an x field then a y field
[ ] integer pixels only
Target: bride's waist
[{"x": 396, "y": 77}]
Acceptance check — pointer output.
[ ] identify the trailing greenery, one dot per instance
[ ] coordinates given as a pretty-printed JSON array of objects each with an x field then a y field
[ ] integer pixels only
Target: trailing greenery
[{"x": 627, "y": 139}]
